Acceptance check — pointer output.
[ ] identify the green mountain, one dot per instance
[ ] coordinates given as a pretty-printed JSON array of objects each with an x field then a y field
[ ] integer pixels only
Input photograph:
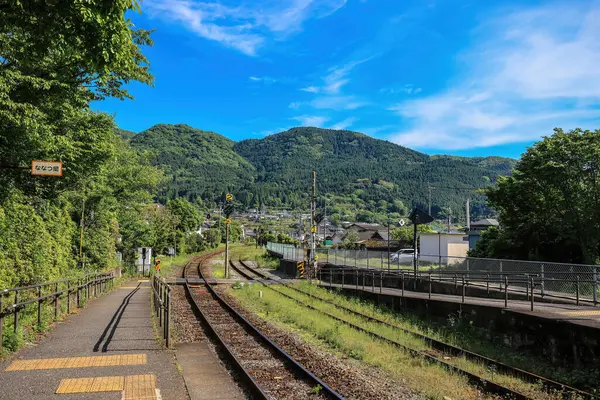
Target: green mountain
[
  {"x": 124, "y": 134},
  {"x": 359, "y": 176},
  {"x": 198, "y": 164}
]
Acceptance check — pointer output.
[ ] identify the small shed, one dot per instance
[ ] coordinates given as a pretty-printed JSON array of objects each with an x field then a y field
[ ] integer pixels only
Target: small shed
[{"x": 451, "y": 247}]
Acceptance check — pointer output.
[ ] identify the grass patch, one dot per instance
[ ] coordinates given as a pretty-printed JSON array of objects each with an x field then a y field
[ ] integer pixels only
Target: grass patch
[
  {"x": 372, "y": 351},
  {"x": 429, "y": 379},
  {"x": 460, "y": 332},
  {"x": 239, "y": 251},
  {"x": 260, "y": 257}
]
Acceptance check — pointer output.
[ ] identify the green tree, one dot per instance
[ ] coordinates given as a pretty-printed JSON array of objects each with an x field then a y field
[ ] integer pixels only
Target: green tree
[
  {"x": 188, "y": 216},
  {"x": 213, "y": 237},
  {"x": 406, "y": 235},
  {"x": 350, "y": 241},
  {"x": 56, "y": 57},
  {"x": 550, "y": 207},
  {"x": 235, "y": 231}
]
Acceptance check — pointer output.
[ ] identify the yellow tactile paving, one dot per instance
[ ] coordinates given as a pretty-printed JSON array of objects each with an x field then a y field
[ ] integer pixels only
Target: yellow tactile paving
[
  {"x": 88, "y": 385},
  {"x": 107, "y": 384},
  {"x": 77, "y": 362},
  {"x": 135, "y": 387},
  {"x": 76, "y": 385},
  {"x": 138, "y": 387},
  {"x": 584, "y": 313},
  {"x": 144, "y": 280}
]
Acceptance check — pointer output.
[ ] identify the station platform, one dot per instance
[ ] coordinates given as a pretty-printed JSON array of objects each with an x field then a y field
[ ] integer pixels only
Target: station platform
[{"x": 107, "y": 350}]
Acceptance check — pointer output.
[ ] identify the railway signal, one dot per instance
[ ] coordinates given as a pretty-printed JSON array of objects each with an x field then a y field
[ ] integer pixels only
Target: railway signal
[{"x": 227, "y": 210}]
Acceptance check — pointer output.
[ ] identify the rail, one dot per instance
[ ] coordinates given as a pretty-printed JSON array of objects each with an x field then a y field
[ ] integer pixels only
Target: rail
[
  {"x": 298, "y": 368},
  {"x": 162, "y": 306},
  {"x": 19, "y": 298},
  {"x": 487, "y": 385},
  {"x": 548, "y": 384}
]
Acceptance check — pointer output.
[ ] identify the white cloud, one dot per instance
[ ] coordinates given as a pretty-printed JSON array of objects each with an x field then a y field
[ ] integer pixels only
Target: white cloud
[
  {"x": 311, "y": 120},
  {"x": 265, "y": 79},
  {"x": 337, "y": 76},
  {"x": 530, "y": 71},
  {"x": 295, "y": 105},
  {"x": 311, "y": 89},
  {"x": 337, "y": 103},
  {"x": 406, "y": 89},
  {"x": 242, "y": 28},
  {"x": 348, "y": 122}
]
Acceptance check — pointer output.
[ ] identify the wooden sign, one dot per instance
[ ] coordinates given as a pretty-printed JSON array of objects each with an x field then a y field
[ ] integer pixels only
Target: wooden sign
[{"x": 46, "y": 168}]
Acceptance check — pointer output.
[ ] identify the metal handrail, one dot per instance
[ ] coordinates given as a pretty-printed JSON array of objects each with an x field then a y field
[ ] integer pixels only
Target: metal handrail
[
  {"x": 86, "y": 285},
  {"x": 162, "y": 305}
]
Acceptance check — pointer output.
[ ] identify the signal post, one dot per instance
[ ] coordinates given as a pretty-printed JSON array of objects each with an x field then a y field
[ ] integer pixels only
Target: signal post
[{"x": 228, "y": 209}]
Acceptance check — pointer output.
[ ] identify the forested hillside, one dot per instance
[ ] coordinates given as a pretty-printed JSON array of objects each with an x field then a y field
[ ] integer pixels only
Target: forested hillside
[
  {"x": 360, "y": 177},
  {"x": 199, "y": 164}
]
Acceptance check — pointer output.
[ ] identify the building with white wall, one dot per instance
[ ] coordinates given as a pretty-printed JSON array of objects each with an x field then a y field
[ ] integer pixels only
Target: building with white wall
[{"x": 444, "y": 245}]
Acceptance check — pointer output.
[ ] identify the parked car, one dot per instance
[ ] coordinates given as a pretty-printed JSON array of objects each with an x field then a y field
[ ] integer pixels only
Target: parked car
[{"x": 403, "y": 255}]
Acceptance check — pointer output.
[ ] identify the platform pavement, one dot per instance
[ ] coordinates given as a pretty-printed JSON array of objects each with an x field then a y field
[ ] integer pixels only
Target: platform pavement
[
  {"x": 588, "y": 316},
  {"x": 117, "y": 324}
]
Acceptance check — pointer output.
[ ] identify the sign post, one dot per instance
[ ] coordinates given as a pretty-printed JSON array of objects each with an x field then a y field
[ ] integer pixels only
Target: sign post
[
  {"x": 46, "y": 168},
  {"x": 171, "y": 254},
  {"x": 418, "y": 217},
  {"x": 227, "y": 210}
]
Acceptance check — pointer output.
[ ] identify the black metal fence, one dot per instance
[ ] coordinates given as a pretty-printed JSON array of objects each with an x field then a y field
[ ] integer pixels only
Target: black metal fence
[
  {"x": 573, "y": 282},
  {"x": 15, "y": 302},
  {"x": 162, "y": 306},
  {"x": 375, "y": 280}
]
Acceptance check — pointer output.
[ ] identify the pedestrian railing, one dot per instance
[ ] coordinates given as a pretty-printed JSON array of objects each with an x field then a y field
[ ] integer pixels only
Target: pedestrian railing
[
  {"x": 162, "y": 306},
  {"x": 18, "y": 301},
  {"x": 559, "y": 280},
  {"x": 375, "y": 280}
]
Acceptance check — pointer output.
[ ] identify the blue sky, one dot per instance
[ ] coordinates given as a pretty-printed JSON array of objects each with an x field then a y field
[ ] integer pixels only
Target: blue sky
[{"x": 454, "y": 77}]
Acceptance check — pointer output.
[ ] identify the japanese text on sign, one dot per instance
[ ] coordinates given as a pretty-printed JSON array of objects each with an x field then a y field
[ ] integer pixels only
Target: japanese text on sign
[{"x": 46, "y": 168}]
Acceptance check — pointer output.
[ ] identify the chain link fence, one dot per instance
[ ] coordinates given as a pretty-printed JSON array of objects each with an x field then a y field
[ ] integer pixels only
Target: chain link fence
[{"x": 549, "y": 279}]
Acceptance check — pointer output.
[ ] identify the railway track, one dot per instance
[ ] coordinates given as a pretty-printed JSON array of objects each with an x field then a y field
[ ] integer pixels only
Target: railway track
[
  {"x": 267, "y": 370},
  {"x": 440, "y": 349}
]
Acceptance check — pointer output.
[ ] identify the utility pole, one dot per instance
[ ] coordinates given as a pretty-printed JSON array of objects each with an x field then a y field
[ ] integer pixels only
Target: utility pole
[
  {"x": 325, "y": 218},
  {"x": 388, "y": 240},
  {"x": 468, "y": 214},
  {"x": 228, "y": 210},
  {"x": 430, "y": 187},
  {"x": 81, "y": 231},
  {"x": 313, "y": 228},
  {"x": 449, "y": 218},
  {"x": 227, "y": 250}
]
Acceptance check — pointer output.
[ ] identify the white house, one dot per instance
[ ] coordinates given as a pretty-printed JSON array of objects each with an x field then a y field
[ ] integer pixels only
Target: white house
[{"x": 446, "y": 245}]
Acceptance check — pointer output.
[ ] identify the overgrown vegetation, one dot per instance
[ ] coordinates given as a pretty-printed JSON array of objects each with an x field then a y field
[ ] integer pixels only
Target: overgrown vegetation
[
  {"x": 549, "y": 209},
  {"x": 239, "y": 251},
  {"x": 337, "y": 337},
  {"x": 459, "y": 331},
  {"x": 431, "y": 380},
  {"x": 48, "y": 81}
]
